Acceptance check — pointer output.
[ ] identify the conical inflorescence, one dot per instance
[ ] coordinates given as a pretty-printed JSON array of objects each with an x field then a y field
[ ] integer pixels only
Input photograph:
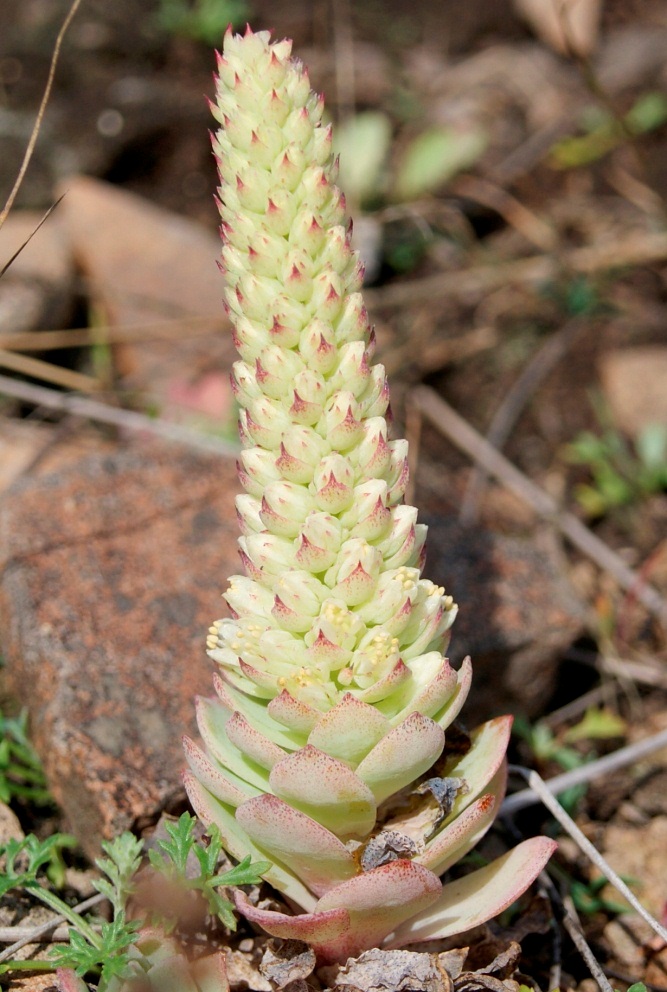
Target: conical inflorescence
[{"x": 325, "y": 750}]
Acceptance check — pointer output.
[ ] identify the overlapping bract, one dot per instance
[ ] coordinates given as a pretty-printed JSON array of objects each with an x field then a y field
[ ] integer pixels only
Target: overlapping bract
[{"x": 333, "y": 693}]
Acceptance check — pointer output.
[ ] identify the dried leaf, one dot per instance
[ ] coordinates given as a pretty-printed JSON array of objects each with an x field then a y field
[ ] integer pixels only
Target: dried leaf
[
  {"x": 242, "y": 973},
  {"x": 471, "y": 981},
  {"x": 453, "y": 960},
  {"x": 504, "y": 962},
  {"x": 565, "y": 25},
  {"x": 444, "y": 791},
  {"x": 397, "y": 971},
  {"x": 287, "y": 961},
  {"x": 387, "y": 846}
]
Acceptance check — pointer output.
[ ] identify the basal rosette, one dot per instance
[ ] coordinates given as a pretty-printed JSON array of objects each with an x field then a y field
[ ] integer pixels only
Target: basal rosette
[{"x": 334, "y": 695}]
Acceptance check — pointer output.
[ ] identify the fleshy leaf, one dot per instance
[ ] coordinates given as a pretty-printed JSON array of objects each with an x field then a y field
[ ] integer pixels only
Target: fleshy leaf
[
  {"x": 378, "y": 901},
  {"x": 308, "y": 849},
  {"x": 480, "y": 896},
  {"x": 327, "y": 790},
  {"x": 402, "y": 756},
  {"x": 349, "y": 730}
]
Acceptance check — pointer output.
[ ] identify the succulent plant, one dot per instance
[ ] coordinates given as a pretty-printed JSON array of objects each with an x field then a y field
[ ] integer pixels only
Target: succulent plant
[{"x": 327, "y": 750}]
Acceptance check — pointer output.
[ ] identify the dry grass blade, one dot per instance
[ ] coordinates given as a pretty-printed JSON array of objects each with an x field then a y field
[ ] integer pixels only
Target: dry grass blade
[
  {"x": 540, "y": 787},
  {"x": 468, "y": 440},
  {"x": 30, "y": 237},
  {"x": 40, "y": 113},
  {"x": 165, "y": 330},
  {"x": 81, "y": 406},
  {"x": 512, "y": 406},
  {"x": 38, "y": 369}
]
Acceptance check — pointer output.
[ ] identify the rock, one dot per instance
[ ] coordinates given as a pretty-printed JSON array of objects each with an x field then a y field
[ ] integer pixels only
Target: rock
[
  {"x": 36, "y": 292},
  {"x": 517, "y": 614},
  {"x": 26, "y": 446},
  {"x": 35, "y": 983},
  {"x": 146, "y": 265},
  {"x": 10, "y": 828},
  {"x": 110, "y": 573},
  {"x": 639, "y": 853},
  {"x": 634, "y": 380}
]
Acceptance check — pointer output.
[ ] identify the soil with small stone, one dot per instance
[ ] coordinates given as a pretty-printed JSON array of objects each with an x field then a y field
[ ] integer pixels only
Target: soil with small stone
[{"x": 519, "y": 286}]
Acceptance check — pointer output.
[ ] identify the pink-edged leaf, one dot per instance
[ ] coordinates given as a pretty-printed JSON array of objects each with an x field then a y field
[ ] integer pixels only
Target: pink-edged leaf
[
  {"x": 449, "y": 712},
  {"x": 308, "y": 849},
  {"x": 478, "y": 897},
  {"x": 480, "y": 764},
  {"x": 402, "y": 756},
  {"x": 327, "y": 790},
  {"x": 422, "y": 671},
  {"x": 378, "y": 901},
  {"x": 253, "y": 744},
  {"x": 256, "y": 713},
  {"x": 237, "y": 842},
  {"x": 213, "y": 778},
  {"x": 212, "y": 721},
  {"x": 292, "y": 713},
  {"x": 452, "y": 842},
  {"x": 318, "y": 928},
  {"x": 349, "y": 730},
  {"x": 211, "y": 973},
  {"x": 385, "y": 687},
  {"x": 432, "y": 697},
  {"x": 69, "y": 981}
]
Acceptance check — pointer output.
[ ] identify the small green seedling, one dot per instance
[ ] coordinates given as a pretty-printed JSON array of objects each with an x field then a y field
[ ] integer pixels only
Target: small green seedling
[{"x": 622, "y": 473}]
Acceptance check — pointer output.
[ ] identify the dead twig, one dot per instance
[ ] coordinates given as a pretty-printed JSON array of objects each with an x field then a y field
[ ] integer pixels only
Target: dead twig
[
  {"x": 30, "y": 236},
  {"x": 80, "y": 406},
  {"x": 38, "y": 369},
  {"x": 540, "y": 787},
  {"x": 40, "y": 113},
  {"x": 635, "y": 250},
  {"x": 468, "y": 440},
  {"x": 509, "y": 411},
  {"x": 587, "y": 773},
  {"x": 34, "y": 934},
  {"x": 164, "y": 330},
  {"x": 514, "y": 213},
  {"x": 573, "y": 927}
]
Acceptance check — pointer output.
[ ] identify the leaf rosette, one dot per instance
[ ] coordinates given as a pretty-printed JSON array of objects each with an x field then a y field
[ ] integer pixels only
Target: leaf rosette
[{"x": 333, "y": 694}]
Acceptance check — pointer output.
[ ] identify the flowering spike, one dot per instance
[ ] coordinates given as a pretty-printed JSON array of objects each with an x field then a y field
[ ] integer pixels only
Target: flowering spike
[{"x": 333, "y": 692}]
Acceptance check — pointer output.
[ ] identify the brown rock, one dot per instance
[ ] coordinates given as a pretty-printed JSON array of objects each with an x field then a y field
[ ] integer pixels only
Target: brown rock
[
  {"x": 110, "y": 574},
  {"x": 634, "y": 380},
  {"x": 146, "y": 265},
  {"x": 517, "y": 614},
  {"x": 26, "y": 446},
  {"x": 639, "y": 853},
  {"x": 36, "y": 292}
]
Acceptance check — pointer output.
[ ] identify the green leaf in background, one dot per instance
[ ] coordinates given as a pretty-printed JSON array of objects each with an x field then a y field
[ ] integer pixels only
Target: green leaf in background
[
  {"x": 363, "y": 143},
  {"x": 434, "y": 157},
  {"x": 597, "y": 724}
]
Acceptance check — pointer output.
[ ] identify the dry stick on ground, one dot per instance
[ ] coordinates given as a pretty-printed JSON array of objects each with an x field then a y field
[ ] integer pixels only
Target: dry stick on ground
[
  {"x": 512, "y": 406},
  {"x": 48, "y": 372},
  {"x": 164, "y": 330},
  {"x": 36, "y": 933},
  {"x": 40, "y": 113},
  {"x": 539, "y": 786},
  {"x": 586, "y": 773},
  {"x": 80, "y": 406},
  {"x": 467, "y": 439},
  {"x": 641, "y": 249}
]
